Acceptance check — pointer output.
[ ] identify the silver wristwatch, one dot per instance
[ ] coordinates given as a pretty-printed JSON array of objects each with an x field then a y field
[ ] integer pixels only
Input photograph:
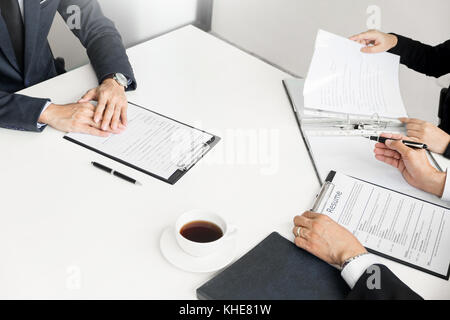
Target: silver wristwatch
[{"x": 121, "y": 79}]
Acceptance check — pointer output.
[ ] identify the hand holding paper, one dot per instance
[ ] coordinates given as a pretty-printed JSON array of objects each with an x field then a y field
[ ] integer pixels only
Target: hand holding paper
[
  {"x": 375, "y": 41},
  {"x": 343, "y": 79}
]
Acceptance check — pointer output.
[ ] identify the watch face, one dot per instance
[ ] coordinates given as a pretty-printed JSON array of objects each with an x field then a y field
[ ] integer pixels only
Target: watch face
[{"x": 121, "y": 79}]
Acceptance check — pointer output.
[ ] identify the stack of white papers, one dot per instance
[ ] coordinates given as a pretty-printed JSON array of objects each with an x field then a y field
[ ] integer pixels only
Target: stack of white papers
[
  {"x": 338, "y": 72},
  {"x": 343, "y": 79}
]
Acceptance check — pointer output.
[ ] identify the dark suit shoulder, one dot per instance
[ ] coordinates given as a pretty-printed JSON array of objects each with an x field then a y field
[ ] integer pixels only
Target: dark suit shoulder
[{"x": 380, "y": 283}]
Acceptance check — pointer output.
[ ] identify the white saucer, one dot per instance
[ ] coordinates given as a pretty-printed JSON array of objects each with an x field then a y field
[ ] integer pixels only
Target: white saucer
[{"x": 180, "y": 259}]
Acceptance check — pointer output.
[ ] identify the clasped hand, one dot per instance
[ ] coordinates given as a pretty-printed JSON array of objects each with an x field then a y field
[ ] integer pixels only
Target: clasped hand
[{"x": 109, "y": 116}]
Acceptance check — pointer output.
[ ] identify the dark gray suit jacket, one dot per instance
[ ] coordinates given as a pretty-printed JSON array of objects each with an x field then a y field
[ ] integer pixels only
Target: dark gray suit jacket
[
  {"x": 97, "y": 34},
  {"x": 391, "y": 288}
]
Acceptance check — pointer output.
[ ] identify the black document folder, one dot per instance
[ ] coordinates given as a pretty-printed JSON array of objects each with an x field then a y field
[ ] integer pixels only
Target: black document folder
[{"x": 276, "y": 270}]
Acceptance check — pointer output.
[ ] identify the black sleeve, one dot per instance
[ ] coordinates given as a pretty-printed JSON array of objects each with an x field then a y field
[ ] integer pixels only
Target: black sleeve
[
  {"x": 426, "y": 59},
  {"x": 446, "y": 153},
  {"x": 389, "y": 287},
  {"x": 19, "y": 112},
  {"x": 101, "y": 39}
]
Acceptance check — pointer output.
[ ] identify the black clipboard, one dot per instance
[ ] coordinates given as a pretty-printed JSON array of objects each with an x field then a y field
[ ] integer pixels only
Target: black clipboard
[
  {"x": 330, "y": 179},
  {"x": 176, "y": 175}
]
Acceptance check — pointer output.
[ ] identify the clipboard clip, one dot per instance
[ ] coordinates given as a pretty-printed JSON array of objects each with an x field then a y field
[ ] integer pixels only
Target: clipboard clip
[
  {"x": 351, "y": 123},
  {"x": 350, "y": 126},
  {"x": 374, "y": 123},
  {"x": 193, "y": 157},
  {"x": 326, "y": 190}
]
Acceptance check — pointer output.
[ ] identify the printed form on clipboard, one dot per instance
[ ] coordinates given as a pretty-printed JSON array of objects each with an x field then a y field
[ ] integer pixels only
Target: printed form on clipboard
[
  {"x": 154, "y": 144},
  {"x": 388, "y": 223}
]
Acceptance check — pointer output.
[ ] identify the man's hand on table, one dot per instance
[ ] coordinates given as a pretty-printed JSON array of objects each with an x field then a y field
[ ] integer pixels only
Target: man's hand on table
[
  {"x": 75, "y": 117},
  {"x": 326, "y": 239},
  {"x": 109, "y": 116},
  {"x": 112, "y": 105}
]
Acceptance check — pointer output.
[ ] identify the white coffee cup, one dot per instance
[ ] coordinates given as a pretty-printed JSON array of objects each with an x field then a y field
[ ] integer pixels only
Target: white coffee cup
[{"x": 201, "y": 249}]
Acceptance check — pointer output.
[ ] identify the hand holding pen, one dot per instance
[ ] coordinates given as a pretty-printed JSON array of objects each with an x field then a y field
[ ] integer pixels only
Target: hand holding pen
[
  {"x": 408, "y": 143},
  {"x": 412, "y": 163}
]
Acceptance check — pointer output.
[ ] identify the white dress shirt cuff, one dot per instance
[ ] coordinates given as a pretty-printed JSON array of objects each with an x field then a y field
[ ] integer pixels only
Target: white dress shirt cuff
[
  {"x": 446, "y": 194},
  {"x": 355, "y": 269},
  {"x": 40, "y": 125}
]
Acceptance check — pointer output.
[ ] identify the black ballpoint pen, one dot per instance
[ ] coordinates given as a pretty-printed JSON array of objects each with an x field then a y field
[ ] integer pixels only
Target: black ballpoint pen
[
  {"x": 115, "y": 173},
  {"x": 411, "y": 144}
]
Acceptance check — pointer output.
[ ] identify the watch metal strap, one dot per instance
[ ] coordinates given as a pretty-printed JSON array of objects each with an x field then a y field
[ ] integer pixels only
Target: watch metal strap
[
  {"x": 114, "y": 77},
  {"x": 346, "y": 262}
]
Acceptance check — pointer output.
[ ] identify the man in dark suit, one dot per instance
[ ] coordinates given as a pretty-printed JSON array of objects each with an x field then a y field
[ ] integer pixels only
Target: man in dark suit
[
  {"x": 434, "y": 61},
  {"x": 26, "y": 59}
]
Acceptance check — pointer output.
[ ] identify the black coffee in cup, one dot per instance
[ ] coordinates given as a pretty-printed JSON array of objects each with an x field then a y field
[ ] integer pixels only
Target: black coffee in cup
[{"x": 201, "y": 231}]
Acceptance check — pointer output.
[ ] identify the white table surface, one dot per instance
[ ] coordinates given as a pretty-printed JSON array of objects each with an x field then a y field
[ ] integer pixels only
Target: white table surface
[{"x": 69, "y": 231}]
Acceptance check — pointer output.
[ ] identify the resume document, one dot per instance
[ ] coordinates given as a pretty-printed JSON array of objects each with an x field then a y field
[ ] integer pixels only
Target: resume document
[{"x": 391, "y": 224}]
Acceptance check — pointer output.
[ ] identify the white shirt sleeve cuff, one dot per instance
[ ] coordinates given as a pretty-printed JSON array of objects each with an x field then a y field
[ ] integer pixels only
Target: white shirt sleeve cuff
[
  {"x": 355, "y": 269},
  {"x": 446, "y": 194},
  {"x": 40, "y": 125}
]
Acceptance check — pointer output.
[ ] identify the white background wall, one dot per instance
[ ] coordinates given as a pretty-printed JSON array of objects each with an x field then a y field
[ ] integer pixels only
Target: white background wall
[
  {"x": 283, "y": 32},
  {"x": 137, "y": 21}
]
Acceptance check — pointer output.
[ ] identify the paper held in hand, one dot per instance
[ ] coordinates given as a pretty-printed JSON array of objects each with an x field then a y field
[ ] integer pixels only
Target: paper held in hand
[{"x": 343, "y": 79}]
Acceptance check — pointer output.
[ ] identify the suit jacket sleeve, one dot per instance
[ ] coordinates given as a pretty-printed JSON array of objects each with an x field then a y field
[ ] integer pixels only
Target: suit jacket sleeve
[
  {"x": 100, "y": 38},
  {"x": 391, "y": 288},
  {"x": 432, "y": 61},
  {"x": 19, "y": 112}
]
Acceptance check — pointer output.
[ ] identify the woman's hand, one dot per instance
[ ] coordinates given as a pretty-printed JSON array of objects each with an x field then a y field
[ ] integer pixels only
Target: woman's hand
[
  {"x": 436, "y": 139},
  {"x": 412, "y": 163},
  {"x": 324, "y": 238},
  {"x": 375, "y": 41}
]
